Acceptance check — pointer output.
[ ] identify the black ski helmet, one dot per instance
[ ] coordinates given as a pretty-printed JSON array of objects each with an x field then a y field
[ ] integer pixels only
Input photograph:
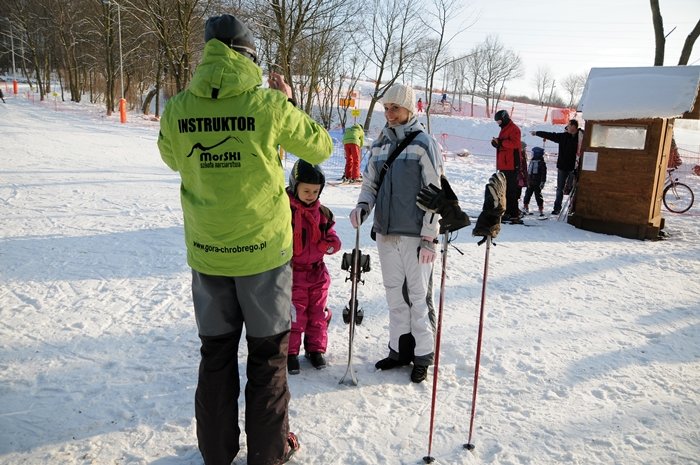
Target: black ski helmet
[
  {"x": 229, "y": 30},
  {"x": 503, "y": 116},
  {"x": 303, "y": 171}
]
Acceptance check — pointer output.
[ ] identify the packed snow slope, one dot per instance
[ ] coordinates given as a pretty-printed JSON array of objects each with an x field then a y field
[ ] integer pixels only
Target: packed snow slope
[{"x": 590, "y": 351}]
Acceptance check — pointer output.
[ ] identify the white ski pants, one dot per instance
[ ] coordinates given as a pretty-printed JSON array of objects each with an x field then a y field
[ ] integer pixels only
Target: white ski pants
[{"x": 398, "y": 257}]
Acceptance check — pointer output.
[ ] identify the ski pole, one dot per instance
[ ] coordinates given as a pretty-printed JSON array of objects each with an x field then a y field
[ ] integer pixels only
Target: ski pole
[
  {"x": 469, "y": 445},
  {"x": 428, "y": 458}
]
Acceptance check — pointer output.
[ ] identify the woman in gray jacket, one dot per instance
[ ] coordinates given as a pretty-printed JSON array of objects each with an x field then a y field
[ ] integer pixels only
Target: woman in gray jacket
[{"x": 406, "y": 235}]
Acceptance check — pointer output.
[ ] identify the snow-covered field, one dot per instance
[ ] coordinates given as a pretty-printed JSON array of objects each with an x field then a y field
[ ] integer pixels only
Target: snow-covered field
[{"x": 591, "y": 350}]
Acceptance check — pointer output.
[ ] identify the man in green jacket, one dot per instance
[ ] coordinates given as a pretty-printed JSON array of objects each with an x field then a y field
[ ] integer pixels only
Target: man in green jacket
[{"x": 223, "y": 134}]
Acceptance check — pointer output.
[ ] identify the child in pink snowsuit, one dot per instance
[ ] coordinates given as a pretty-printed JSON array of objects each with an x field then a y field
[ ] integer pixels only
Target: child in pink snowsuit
[{"x": 314, "y": 237}]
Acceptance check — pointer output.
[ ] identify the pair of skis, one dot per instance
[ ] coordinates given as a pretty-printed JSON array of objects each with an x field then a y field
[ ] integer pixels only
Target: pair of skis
[
  {"x": 569, "y": 205},
  {"x": 355, "y": 263}
]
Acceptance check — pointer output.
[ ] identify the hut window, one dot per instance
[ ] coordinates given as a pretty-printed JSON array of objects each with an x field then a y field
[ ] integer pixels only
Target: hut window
[{"x": 619, "y": 137}]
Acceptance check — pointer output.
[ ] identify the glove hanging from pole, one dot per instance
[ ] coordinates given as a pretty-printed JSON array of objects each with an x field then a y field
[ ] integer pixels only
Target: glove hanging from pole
[
  {"x": 489, "y": 221},
  {"x": 443, "y": 202}
]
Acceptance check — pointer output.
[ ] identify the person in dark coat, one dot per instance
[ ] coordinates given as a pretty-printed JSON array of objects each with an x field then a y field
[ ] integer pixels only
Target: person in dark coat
[
  {"x": 569, "y": 152},
  {"x": 536, "y": 177}
]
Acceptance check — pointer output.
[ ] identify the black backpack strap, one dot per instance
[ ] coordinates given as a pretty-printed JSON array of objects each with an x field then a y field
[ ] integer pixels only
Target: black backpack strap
[
  {"x": 397, "y": 151},
  {"x": 328, "y": 215}
]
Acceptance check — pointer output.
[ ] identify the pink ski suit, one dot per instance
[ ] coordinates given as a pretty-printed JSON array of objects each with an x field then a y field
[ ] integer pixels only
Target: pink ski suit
[{"x": 314, "y": 237}]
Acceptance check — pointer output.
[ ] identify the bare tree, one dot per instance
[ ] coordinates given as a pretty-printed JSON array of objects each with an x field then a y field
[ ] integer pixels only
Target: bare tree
[
  {"x": 296, "y": 34},
  {"x": 542, "y": 80},
  {"x": 394, "y": 32},
  {"x": 499, "y": 66},
  {"x": 351, "y": 69},
  {"x": 435, "y": 20},
  {"x": 573, "y": 85},
  {"x": 178, "y": 31},
  {"x": 456, "y": 74},
  {"x": 474, "y": 63},
  {"x": 660, "y": 37},
  {"x": 69, "y": 29},
  {"x": 31, "y": 33},
  {"x": 688, "y": 44}
]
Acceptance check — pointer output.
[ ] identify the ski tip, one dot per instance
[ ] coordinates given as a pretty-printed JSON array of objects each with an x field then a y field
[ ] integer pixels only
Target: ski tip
[
  {"x": 469, "y": 446},
  {"x": 428, "y": 459}
]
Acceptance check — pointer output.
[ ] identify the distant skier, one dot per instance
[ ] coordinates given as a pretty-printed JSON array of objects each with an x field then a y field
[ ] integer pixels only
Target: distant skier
[
  {"x": 353, "y": 140},
  {"x": 419, "y": 105},
  {"x": 2, "y": 96}
]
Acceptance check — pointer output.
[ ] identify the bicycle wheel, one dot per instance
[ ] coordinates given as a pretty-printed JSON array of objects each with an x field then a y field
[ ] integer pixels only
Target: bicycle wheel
[{"x": 678, "y": 198}]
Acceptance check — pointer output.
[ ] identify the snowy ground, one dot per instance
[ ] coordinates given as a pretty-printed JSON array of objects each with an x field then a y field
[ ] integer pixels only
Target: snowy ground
[{"x": 591, "y": 342}]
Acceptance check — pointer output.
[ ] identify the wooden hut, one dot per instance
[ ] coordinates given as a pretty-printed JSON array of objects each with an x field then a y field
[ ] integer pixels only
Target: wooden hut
[{"x": 629, "y": 114}]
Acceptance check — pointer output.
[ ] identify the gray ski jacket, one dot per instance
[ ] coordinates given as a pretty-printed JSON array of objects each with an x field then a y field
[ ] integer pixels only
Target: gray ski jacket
[{"x": 394, "y": 203}]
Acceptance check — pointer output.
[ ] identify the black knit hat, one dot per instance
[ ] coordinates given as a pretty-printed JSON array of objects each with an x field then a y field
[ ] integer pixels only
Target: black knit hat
[
  {"x": 233, "y": 33},
  {"x": 503, "y": 116},
  {"x": 303, "y": 171}
]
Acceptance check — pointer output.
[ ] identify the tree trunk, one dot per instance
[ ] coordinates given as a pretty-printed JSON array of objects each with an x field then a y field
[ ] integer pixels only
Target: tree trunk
[
  {"x": 688, "y": 45},
  {"x": 147, "y": 101},
  {"x": 659, "y": 38}
]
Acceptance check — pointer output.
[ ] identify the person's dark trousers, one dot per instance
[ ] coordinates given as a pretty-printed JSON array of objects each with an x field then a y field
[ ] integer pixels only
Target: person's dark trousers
[
  {"x": 216, "y": 399},
  {"x": 561, "y": 182},
  {"x": 538, "y": 196},
  {"x": 267, "y": 399},
  {"x": 512, "y": 209}
]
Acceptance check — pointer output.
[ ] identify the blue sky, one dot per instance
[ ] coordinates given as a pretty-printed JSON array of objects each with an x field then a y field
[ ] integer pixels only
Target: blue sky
[{"x": 572, "y": 37}]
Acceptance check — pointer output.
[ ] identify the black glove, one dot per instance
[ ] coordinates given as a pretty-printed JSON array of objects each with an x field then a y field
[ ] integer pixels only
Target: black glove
[
  {"x": 431, "y": 198},
  {"x": 487, "y": 225},
  {"x": 496, "y": 143},
  {"x": 541, "y": 185},
  {"x": 443, "y": 202},
  {"x": 452, "y": 219},
  {"x": 489, "y": 221}
]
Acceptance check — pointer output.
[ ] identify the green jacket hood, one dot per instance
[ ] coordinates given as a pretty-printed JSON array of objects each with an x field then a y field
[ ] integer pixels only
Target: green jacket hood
[{"x": 226, "y": 70}]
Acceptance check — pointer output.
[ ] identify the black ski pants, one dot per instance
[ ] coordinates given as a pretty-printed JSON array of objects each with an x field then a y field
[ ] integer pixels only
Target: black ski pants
[
  {"x": 266, "y": 396},
  {"x": 512, "y": 208}
]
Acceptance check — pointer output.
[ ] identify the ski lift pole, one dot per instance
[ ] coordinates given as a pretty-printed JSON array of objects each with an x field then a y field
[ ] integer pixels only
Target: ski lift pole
[{"x": 469, "y": 445}]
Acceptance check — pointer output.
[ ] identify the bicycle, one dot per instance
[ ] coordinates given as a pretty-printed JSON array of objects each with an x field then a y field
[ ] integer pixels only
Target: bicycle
[{"x": 677, "y": 197}]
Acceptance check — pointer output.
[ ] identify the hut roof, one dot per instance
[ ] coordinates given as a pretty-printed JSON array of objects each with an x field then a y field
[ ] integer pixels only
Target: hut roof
[{"x": 640, "y": 92}]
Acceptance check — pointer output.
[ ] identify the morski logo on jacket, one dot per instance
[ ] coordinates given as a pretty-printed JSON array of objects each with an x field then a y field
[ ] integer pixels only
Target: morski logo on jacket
[{"x": 209, "y": 159}]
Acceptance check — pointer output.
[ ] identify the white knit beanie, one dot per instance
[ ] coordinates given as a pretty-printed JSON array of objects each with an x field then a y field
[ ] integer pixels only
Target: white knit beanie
[{"x": 401, "y": 95}]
